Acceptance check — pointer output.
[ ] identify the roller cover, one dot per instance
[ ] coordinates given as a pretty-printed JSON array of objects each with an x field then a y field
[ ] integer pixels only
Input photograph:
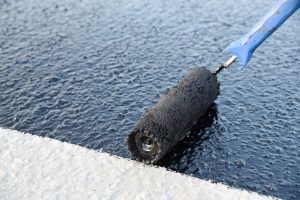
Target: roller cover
[{"x": 173, "y": 116}]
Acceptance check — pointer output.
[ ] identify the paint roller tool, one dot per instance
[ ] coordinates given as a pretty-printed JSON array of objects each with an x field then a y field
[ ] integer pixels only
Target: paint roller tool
[{"x": 164, "y": 125}]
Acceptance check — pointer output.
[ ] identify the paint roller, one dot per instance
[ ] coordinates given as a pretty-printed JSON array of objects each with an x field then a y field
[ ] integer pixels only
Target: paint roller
[{"x": 178, "y": 110}]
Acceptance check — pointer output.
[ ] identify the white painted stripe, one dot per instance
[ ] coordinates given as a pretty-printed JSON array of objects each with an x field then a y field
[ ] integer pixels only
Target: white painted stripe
[{"x": 33, "y": 167}]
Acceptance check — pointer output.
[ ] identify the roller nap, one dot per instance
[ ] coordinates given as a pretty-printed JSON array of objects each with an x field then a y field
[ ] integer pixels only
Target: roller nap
[{"x": 173, "y": 116}]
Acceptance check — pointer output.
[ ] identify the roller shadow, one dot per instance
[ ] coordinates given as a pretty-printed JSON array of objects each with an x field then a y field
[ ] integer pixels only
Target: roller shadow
[{"x": 191, "y": 142}]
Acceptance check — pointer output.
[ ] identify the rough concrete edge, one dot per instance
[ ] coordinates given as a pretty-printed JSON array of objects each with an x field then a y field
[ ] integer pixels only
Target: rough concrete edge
[{"x": 162, "y": 169}]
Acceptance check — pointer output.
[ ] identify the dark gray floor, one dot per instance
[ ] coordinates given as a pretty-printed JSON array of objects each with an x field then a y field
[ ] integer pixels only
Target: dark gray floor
[{"x": 85, "y": 71}]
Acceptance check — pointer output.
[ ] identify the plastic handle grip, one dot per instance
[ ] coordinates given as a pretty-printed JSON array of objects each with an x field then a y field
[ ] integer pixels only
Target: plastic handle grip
[{"x": 244, "y": 47}]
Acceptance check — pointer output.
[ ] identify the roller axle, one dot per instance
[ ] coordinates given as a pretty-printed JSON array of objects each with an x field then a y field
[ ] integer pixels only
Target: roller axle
[{"x": 231, "y": 60}]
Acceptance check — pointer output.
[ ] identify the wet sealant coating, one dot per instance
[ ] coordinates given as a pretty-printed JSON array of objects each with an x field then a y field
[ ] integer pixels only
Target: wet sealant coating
[{"x": 85, "y": 71}]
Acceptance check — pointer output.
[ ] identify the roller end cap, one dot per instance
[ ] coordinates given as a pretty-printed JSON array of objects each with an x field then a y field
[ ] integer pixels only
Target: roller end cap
[{"x": 143, "y": 147}]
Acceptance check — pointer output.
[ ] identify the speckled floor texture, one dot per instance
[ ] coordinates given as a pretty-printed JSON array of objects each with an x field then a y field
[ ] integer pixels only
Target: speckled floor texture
[
  {"x": 84, "y": 72},
  {"x": 33, "y": 167}
]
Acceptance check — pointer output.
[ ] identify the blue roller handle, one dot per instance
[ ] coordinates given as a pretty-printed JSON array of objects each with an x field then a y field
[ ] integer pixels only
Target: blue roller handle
[{"x": 244, "y": 47}]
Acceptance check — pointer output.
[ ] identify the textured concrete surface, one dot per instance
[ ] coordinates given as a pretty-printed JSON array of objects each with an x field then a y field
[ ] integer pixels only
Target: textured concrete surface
[{"x": 33, "y": 167}]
